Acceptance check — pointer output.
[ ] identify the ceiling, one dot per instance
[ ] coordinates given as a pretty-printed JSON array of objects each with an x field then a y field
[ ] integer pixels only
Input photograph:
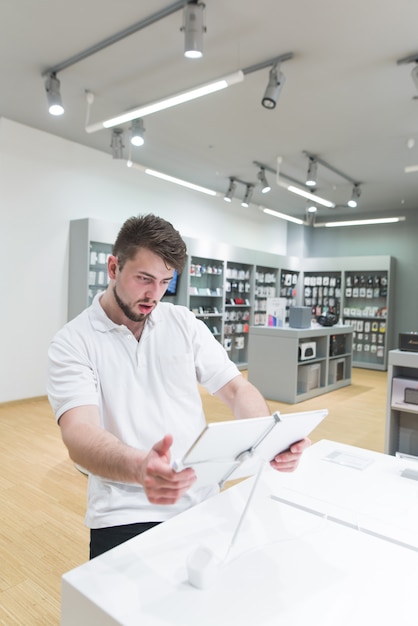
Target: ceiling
[{"x": 345, "y": 99}]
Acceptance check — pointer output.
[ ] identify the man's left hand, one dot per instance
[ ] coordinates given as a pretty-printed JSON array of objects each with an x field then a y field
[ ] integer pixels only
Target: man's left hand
[{"x": 288, "y": 460}]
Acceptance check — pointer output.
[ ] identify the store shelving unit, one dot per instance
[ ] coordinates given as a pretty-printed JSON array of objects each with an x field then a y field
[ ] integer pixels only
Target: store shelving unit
[
  {"x": 238, "y": 310},
  {"x": 322, "y": 292},
  {"x": 401, "y": 434},
  {"x": 206, "y": 292},
  {"x": 288, "y": 282},
  {"x": 265, "y": 287},
  {"x": 366, "y": 309}
]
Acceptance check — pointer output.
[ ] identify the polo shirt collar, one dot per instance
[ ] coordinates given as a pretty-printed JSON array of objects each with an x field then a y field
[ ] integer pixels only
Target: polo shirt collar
[{"x": 102, "y": 323}]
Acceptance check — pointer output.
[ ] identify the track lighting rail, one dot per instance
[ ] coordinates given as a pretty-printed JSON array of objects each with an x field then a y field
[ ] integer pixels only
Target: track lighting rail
[
  {"x": 331, "y": 167},
  {"x": 109, "y": 41},
  {"x": 268, "y": 63},
  {"x": 412, "y": 58}
]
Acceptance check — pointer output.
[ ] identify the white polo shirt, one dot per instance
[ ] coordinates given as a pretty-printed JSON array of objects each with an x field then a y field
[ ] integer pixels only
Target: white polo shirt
[{"x": 143, "y": 389}]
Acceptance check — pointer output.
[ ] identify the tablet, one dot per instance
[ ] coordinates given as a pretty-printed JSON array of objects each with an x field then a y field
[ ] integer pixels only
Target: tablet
[{"x": 234, "y": 448}]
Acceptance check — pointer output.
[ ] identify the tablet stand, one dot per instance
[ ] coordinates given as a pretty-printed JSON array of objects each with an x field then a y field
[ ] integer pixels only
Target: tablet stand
[{"x": 202, "y": 564}]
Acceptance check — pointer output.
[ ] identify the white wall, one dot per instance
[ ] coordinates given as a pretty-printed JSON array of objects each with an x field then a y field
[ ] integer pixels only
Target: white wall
[{"x": 45, "y": 182}]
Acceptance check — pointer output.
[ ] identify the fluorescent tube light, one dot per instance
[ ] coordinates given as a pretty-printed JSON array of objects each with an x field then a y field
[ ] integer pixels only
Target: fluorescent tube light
[
  {"x": 170, "y": 101},
  {"x": 411, "y": 168},
  {"x": 282, "y": 216},
  {"x": 383, "y": 220},
  {"x": 171, "y": 179},
  {"x": 310, "y": 196},
  {"x": 179, "y": 181}
]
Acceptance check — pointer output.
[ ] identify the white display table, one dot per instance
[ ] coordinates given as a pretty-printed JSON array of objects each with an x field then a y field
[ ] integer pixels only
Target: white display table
[{"x": 335, "y": 542}]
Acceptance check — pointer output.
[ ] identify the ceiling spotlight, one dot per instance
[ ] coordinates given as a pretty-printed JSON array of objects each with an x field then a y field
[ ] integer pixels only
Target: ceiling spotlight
[
  {"x": 137, "y": 132},
  {"x": 310, "y": 217},
  {"x": 353, "y": 202},
  {"x": 274, "y": 87},
  {"x": 311, "y": 207},
  {"x": 53, "y": 94},
  {"x": 414, "y": 75},
  {"x": 248, "y": 195},
  {"x": 311, "y": 176},
  {"x": 231, "y": 190},
  {"x": 117, "y": 143},
  {"x": 265, "y": 187},
  {"x": 193, "y": 28}
]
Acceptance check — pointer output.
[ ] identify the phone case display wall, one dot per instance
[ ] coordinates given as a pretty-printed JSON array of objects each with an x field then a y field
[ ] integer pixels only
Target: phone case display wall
[
  {"x": 265, "y": 287},
  {"x": 363, "y": 300},
  {"x": 288, "y": 282},
  {"x": 237, "y": 316},
  {"x": 225, "y": 286},
  {"x": 292, "y": 365},
  {"x": 206, "y": 280},
  {"x": 401, "y": 435},
  {"x": 365, "y": 308},
  {"x": 322, "y": 292}
]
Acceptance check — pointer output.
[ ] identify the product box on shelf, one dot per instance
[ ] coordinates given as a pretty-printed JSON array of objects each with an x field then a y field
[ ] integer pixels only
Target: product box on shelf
[
  {"x": 336, "y": 371},
  {"x": 309, "y": 377},
  {"x": 405, "y": 393},
  {"x": 300, "y": 316},
  {"x": 307, "y": 350},
  {"x": 408, "y": 342}
]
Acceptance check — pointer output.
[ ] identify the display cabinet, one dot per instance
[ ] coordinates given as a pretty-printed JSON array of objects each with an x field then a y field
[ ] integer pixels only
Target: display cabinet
[
  {"x": 363, "y": 292},
  {"x": 292, "y": 365},
  {"x": 366, "y": 309},
  {"x": 265, "y": 287},
  {"x": 206, "y": 292},
  {"x": 322, "y": 292},
  {"x": 401, "y": 433},
  {"x": 288, "y": 282},
  {"x": 238, "y": 310}
]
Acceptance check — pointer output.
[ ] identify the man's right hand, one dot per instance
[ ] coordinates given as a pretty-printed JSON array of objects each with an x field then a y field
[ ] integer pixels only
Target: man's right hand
[{"x": 162, "y": 484}]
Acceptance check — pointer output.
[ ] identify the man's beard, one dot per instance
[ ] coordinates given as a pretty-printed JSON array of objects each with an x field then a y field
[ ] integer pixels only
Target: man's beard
[{"x": 125, "y": 308}]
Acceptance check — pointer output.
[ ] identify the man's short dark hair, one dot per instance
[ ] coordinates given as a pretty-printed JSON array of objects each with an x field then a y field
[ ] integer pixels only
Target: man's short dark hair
[{"x": 153, "y": 233}]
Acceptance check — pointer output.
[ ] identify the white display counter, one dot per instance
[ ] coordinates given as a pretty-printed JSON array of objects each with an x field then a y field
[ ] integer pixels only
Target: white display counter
[{"x": 335, "y": 542}]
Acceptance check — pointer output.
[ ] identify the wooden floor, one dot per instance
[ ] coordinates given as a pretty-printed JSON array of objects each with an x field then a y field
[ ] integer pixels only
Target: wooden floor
[{"x": 42, "y": 495}]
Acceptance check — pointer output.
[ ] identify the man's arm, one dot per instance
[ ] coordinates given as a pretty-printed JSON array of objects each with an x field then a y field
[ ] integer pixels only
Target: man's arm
[
  {"x": 245, "y": 400},
  {"x": 103, "y": 454}
]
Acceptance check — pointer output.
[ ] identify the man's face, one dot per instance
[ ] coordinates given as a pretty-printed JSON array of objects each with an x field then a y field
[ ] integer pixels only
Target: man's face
[{"x": 141, "y": 284}]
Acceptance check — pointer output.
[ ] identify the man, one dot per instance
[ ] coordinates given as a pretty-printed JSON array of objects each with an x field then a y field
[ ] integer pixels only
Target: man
[{"x": 123, "y": 385}]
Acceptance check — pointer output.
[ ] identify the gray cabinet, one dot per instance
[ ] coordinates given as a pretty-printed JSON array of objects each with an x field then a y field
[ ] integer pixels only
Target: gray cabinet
[
  {"x": 401, "y": 434},
  {"x": 291, "y": 365},
  {"x": 91, "y": 243}
]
